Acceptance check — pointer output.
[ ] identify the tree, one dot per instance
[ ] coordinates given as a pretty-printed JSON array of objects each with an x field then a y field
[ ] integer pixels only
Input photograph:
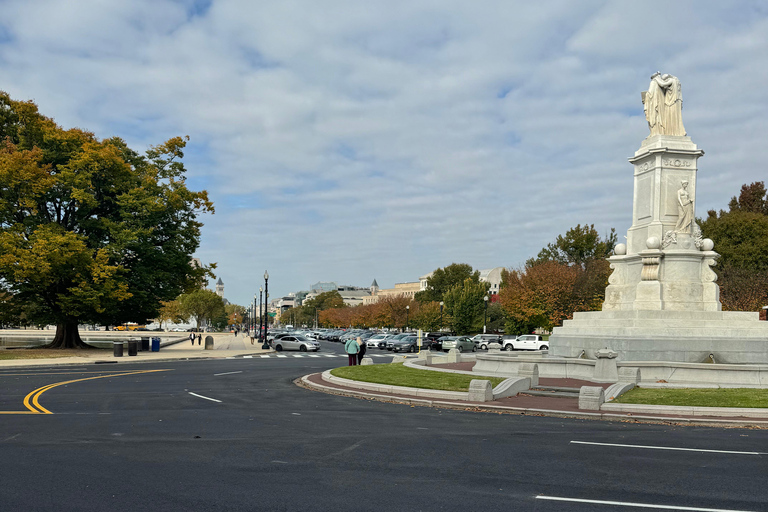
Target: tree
[
  {"x": 235, "y": 314},
  {"x": 741, "y": 238},
  {"x": 579, "y": 246},
  {"x": 326, "y": 300},
  {"x": 443, "y": 279},
  {"x": 753, "y": 198},
  {"x": 203, "y": 306},
  {"x": 170, "y": 311},
  {"x": 465, "y": 306},
  {"x": 91, "y": 231},
  {"x": 426, "y": 316}
]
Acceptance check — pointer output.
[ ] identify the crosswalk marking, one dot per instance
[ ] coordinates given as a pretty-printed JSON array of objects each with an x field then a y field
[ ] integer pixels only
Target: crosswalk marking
[
  {"x": 282, "y": 356},
  {"x": 268, "y": 356}
]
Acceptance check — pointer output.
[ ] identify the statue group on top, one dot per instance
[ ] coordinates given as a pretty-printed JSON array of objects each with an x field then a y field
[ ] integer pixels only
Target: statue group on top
[{"x": 663, "y": 105}]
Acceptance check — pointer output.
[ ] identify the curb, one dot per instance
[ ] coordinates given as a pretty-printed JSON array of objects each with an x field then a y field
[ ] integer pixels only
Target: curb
[{"x": 655, "y": 414}]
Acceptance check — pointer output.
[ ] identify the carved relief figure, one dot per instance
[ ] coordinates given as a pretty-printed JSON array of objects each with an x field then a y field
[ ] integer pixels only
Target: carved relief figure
[
  {"x": 663, "y": 105},
  {"x": 684, "y": 210}
]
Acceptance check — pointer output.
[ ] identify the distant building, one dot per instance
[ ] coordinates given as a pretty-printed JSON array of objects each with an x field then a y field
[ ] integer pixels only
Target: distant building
[
  {"x": 322, "y": 287},
  {"x": 492, "y": 276},
  {"x": 407, "y": 290},
  {"x": 220, "y": 288}
]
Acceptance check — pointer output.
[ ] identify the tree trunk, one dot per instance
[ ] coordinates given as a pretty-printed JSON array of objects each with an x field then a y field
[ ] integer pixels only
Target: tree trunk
[{"x": 67, "y": 336}]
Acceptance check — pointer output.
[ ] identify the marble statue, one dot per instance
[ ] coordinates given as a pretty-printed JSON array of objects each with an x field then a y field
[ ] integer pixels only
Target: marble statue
[
  {"x": 684, "y": 210},
  {"x": 663, "y": 105}
]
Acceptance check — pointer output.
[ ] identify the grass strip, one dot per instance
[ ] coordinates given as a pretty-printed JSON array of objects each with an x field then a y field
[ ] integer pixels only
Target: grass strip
[
  {"x": 720, "y": 397},
  {"x": 396, "y": 374}
]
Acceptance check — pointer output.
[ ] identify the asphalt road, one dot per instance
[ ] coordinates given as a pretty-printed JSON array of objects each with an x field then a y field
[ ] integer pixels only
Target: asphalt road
[{"x": 237, "y": 434}]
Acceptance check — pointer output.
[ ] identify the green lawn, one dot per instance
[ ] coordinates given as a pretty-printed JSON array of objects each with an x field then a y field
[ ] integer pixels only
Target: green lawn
[
  {"x": 736, "y": 397},
  {"x": 399, "y": 375}
]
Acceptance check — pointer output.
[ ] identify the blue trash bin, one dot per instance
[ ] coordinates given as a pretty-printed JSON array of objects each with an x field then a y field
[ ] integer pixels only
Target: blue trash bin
[{"x": 155, "y": 344}]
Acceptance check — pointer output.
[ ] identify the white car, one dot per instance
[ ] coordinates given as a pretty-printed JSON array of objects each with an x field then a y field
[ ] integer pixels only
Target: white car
[
  {"x": 377, "y": 340},
  {"x": 295, "y": 342},
  {"x": 525, "y": 342}
]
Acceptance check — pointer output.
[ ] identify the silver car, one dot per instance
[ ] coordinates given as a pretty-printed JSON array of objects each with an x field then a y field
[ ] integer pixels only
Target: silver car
[
  {"x": 461, "y": 343},
  {"x": 296, "y": 342}
]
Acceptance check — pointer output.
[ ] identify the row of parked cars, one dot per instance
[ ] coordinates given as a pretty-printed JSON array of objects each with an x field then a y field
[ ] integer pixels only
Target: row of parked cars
[{"x": 307, "y": 340}]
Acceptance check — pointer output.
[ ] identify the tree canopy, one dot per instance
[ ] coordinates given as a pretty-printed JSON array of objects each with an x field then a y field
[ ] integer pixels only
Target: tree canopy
[
  {"x": 90, "y": 230},
  {"x": 443, "y": 279},
  {"x": 579, "y": 246},
  {"x": 568, "y": 275},
  {"x": 203, "y": 305},
  {"x": 741, "y": 238},
  {"x": 465, "y": 306}
]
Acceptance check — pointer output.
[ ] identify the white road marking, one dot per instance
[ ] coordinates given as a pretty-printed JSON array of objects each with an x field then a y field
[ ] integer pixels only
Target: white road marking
[
  {"x": 247, "y": 357},
  {"x": 282, "y": 356},
  {"x": 637, "y": 505},
  {"x": 314, "y": 355},
  {"x": 667, "y": 448},
  {"x": 205, "y": 397},
  {"x": 227, "y": 373},
  {"x": 297, "y": 355},
  {"x": 265, "y": 356}
]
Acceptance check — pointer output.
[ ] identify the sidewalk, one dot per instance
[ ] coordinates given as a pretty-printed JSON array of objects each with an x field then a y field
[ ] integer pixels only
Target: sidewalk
[
  {"x": 225, "y": 345},
  {"x": 531, "y": 405}
]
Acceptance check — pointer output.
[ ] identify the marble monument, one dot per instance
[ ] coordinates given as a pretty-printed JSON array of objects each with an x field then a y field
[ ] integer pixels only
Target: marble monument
[{"x": 662, "y": 302}]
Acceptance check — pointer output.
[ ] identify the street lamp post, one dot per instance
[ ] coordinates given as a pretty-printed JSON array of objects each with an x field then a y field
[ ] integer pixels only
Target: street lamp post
[
  {"x": 407, "y": 310},
  {"x": 441, "y": 314},
  {"x": 265, "y": 346},
  {"x": 261, "y": 317},
  {"x": 485, "y": 318}
]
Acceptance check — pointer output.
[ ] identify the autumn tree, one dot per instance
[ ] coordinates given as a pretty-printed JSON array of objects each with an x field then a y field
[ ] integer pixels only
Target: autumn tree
[
  {"x": 235, "y": 313},
  {"x": 170, "y": 311},
  {"x": 741, "y": 238},
  {"x": 568, "y": 275},
  {"x": 90, "y": 230},
  {"x": 443, "y": 279}
]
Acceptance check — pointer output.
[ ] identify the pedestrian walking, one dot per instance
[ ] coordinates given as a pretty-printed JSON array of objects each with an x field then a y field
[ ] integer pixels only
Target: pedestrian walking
[
  {"x": 351, "y": 347},
  {"x": 361, "y": 351},
  {"x": 192, "y": 338},
  {"x": 199, "y": 339}
]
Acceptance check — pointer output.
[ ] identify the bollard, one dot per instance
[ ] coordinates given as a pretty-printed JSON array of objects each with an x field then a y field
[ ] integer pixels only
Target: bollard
[
  {"x": 144, "y": 344},
  {"x": 155, "y": 344},
  {"x": 117, "y": 349},
  {"x": 209, "y": 343},
  {"x": 133, "y": 347}
]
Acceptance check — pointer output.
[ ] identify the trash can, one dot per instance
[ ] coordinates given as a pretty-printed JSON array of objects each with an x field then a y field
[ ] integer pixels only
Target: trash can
[
  {"x": 117, "y": 348},
  {"x": 133, "y": 347},
  {"x": 155, "y": 344},
  {"x": 145, "y": 344}
]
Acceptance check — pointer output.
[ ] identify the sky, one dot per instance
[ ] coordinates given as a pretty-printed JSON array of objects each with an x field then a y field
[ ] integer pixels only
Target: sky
[{"x": 349, "y": 141}]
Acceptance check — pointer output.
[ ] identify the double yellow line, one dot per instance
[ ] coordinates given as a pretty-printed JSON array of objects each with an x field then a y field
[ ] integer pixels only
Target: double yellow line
[{"x": 32, "y": 400}]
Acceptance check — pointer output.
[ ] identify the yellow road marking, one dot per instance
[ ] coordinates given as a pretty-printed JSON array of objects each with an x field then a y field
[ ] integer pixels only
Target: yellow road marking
[{"x": 35, "y": 407}]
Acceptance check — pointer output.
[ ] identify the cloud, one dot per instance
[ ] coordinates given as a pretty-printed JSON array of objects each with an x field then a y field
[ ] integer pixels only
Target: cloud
[{"x": 351, "y": 141}]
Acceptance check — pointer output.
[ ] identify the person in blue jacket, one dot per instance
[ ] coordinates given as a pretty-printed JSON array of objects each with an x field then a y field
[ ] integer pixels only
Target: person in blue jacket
[{"x": 351, "y": 347}]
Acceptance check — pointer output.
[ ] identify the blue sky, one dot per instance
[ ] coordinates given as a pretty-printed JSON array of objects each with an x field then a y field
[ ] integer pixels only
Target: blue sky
[{"x": 347, "y": 141}]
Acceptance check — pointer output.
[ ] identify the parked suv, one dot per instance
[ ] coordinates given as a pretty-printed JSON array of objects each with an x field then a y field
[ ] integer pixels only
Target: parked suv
[{"x": 526, "y": 342}]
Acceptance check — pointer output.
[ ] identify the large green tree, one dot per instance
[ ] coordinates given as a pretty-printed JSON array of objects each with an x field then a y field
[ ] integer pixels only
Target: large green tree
[
  {"x": 90, "y": 230},
  {"x": 741, "y": 238},
  {"x": 443, "y": 279},
  {"x": 465, "y": 306},
  {"x": 578, "y": 246},
  {"x": 203, "y": 305}
]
